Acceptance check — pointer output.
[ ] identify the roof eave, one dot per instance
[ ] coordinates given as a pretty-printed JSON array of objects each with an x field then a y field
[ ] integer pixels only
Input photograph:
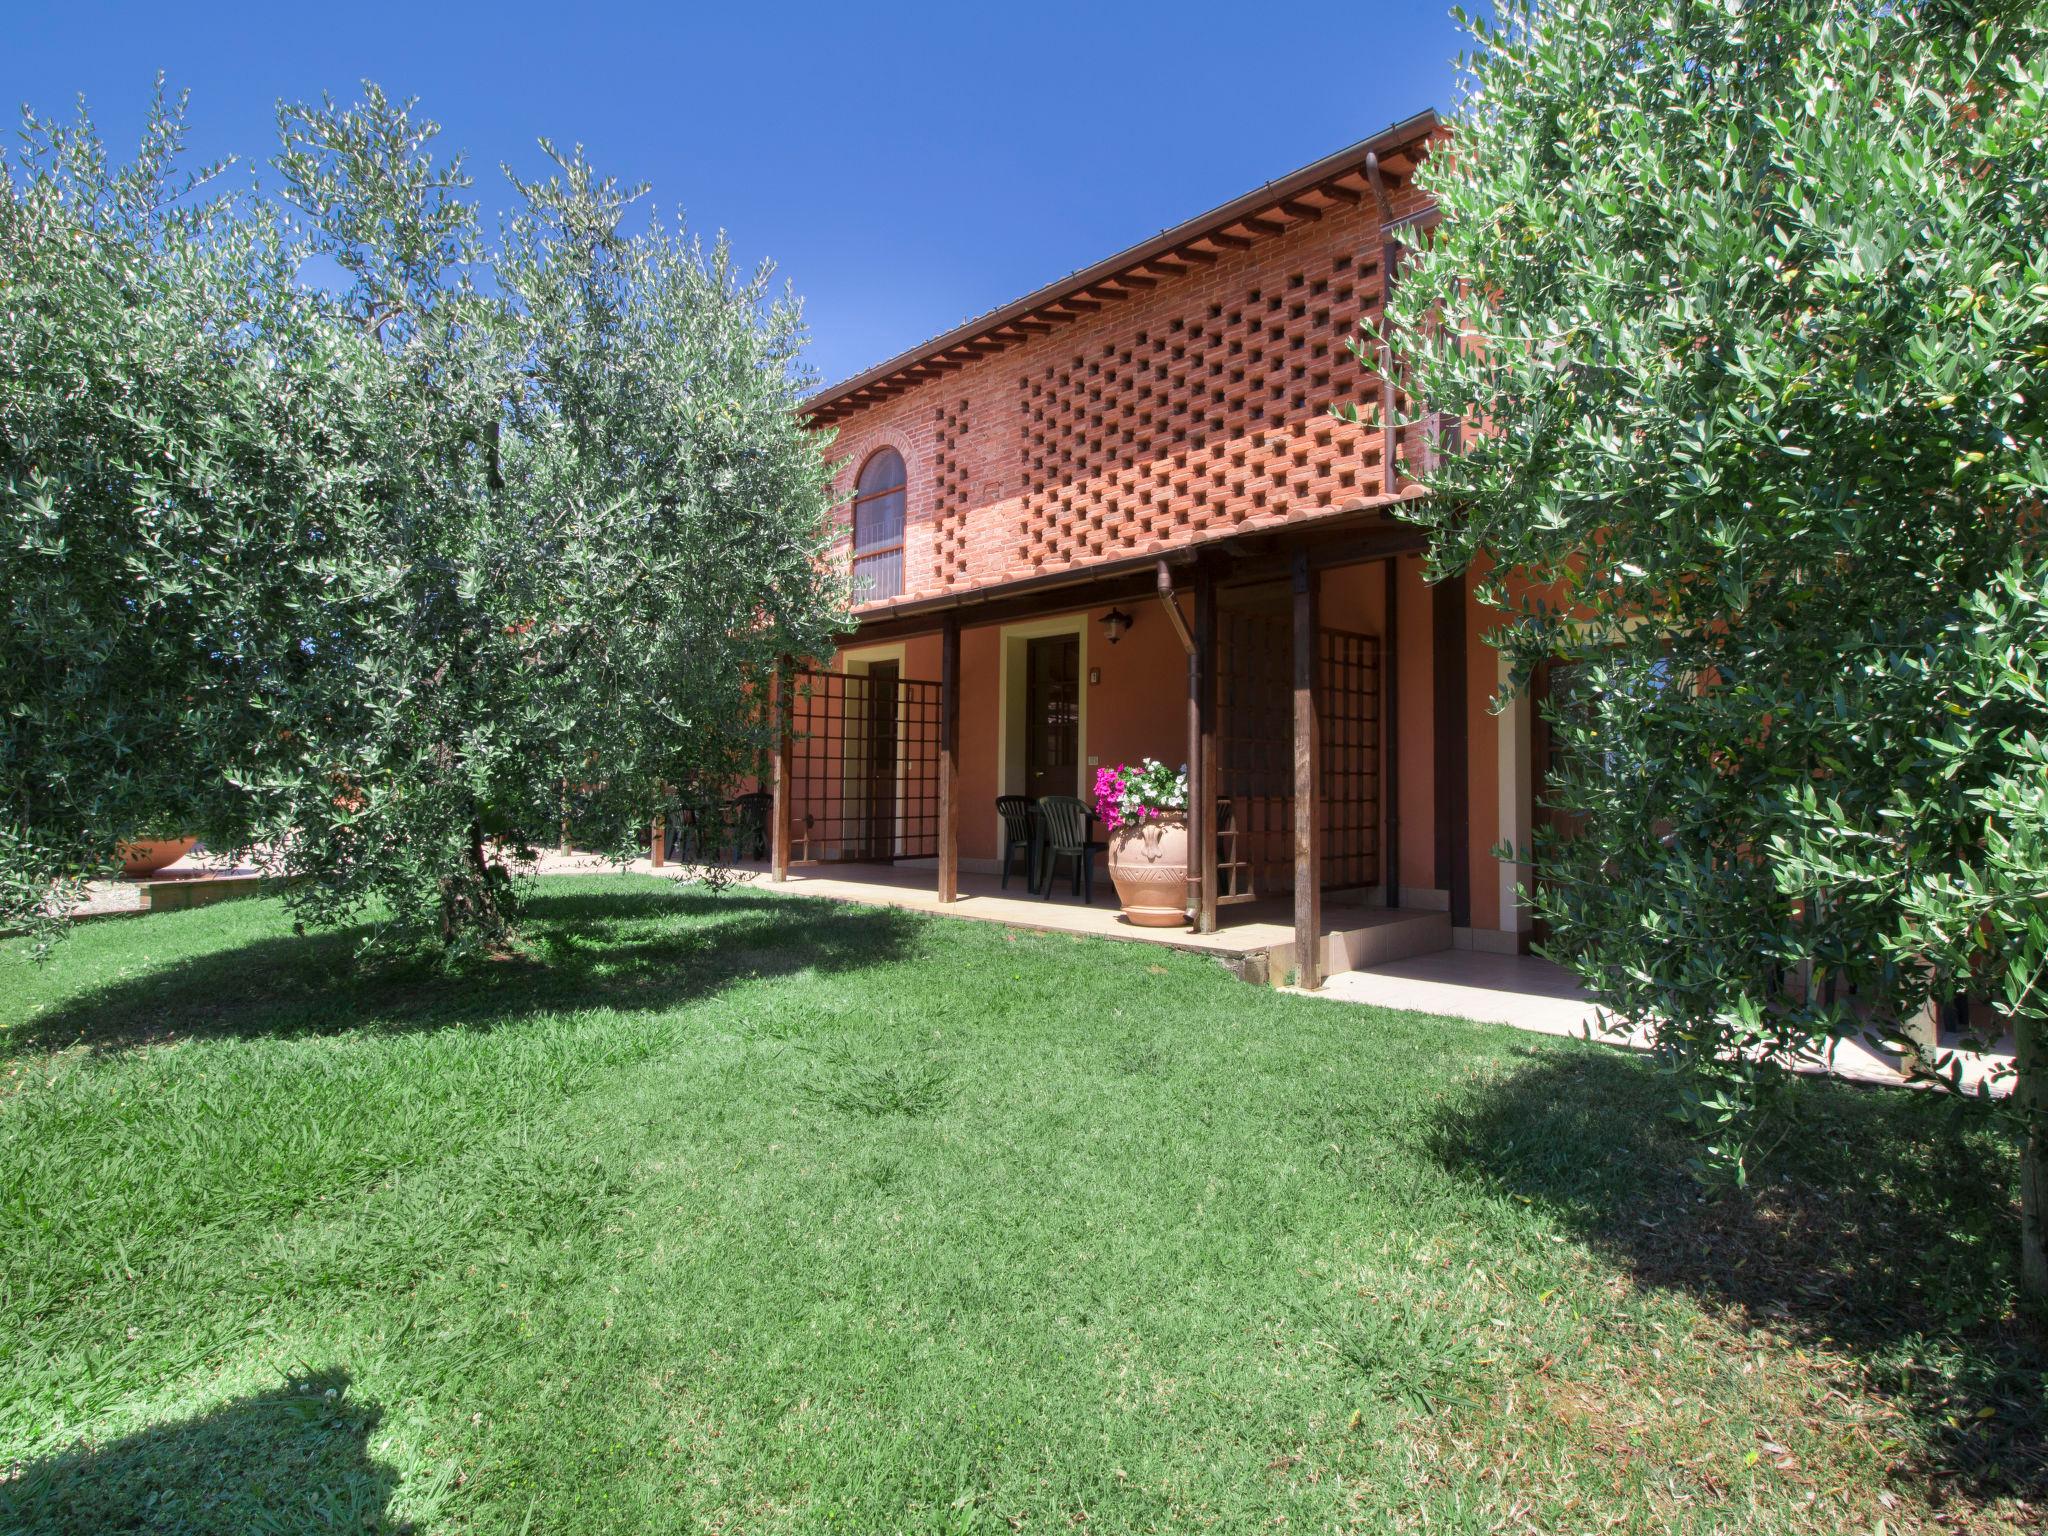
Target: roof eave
[{"x": 976, "y": 333}]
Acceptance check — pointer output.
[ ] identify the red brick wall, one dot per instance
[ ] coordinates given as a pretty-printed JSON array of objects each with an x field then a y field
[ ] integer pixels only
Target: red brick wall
[{"x": 1197, "y": 410}]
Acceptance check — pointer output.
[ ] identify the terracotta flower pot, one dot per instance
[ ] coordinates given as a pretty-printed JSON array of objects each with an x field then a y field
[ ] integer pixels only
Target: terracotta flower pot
[
  {"x": 1149, "y": 863},
  {"x": 145, "y": 856}
]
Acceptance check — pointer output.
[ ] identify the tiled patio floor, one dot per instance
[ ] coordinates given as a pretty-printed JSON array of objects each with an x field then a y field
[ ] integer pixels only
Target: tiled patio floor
[{"x": 1262, "y": 929}]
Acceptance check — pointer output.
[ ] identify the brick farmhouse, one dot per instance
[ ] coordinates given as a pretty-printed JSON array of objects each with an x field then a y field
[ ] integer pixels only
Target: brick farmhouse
[{"x": 1117, "y": 519}]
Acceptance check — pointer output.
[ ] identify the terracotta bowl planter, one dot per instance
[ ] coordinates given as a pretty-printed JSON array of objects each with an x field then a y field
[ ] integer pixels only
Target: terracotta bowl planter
[
  {"x": 1149, "y": 864},
  {"x": 146, "y": 856}
]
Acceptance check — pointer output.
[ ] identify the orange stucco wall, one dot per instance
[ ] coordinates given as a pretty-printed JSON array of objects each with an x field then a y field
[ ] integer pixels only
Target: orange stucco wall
[
  {"x": 980, "y": 724},
  {"x": 1140, "y": 708}
]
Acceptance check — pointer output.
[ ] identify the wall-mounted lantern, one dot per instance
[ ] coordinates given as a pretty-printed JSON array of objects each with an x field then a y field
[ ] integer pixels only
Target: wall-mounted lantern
[{"x": 1115, "y": 623}]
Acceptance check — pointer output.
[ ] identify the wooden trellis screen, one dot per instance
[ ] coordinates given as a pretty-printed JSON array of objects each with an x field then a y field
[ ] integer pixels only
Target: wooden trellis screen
[
  {"x": 863, "y": 777},
  {"x": 1255, "y": 741},
  {"x": 1255, "y": 748},
  {"x": 1349, "y": 714}
]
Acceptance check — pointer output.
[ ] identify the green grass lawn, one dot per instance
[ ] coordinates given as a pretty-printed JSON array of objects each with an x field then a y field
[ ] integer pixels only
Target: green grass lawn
[{"x": 748, "y": 1214}]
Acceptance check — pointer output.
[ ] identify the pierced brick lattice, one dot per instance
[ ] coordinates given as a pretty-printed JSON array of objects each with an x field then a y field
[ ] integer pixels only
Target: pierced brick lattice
[
  {"x": 952, "y": 494},
  {"x": 1206, "y": 421}
]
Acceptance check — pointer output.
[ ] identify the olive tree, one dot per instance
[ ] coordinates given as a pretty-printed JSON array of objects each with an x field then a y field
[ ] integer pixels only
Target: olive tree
[
  {"x": 1747, "y": 305},
  {"x": 171, "y": 440},
  {"x": 595, "y": 522},
  {"x": 528, "y": 514}
]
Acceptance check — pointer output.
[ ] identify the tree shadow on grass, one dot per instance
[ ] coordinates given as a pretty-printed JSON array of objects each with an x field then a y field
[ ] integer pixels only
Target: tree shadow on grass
[
  {"x": 1884, "y": 1226},
  {"x": 296, "y": 1459},
  {"x": 656, "y": 949}
]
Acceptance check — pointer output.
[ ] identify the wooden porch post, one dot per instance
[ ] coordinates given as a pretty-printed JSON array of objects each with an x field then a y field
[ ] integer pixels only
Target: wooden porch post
[
  {"x": 1308, "y": 810},
  {"x": 949, "y": 759},
  {"x": 1390, "y": 731},
  {"x": 1453, "y": 819},
  {"x": 1203, "y": 769},
  {"x": 778, "y": 775}
]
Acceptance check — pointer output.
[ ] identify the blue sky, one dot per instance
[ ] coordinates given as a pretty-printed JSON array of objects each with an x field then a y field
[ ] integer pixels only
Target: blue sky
[{"x": 906, "y": 166}]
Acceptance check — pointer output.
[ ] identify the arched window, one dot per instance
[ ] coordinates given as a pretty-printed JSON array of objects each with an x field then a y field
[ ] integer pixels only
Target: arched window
[{"x": 878, "y": 501}]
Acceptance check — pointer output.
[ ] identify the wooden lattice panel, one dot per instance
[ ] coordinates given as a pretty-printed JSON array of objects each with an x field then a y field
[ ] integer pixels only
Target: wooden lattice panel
[
  {"x": 1255, "y": 748},
  {"x": 1255, "y": 740},
  {"x": 1349, "y": 713},
  {"x": 862, "y": 782}
]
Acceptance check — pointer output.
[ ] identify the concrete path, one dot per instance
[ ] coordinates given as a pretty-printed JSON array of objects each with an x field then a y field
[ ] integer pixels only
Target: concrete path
[{"x": 1534, "y": 994}]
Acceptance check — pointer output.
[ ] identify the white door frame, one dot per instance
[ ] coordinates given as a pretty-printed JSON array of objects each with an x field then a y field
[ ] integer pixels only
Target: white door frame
[{"x": 1012, "y": 695}]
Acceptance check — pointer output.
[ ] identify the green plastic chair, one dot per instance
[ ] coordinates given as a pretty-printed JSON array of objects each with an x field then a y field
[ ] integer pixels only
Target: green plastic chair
[
  {"x": 1019, "y": 836},
  {"x": 748, "y": 816},
  {"x": 1066, "y": 837}
]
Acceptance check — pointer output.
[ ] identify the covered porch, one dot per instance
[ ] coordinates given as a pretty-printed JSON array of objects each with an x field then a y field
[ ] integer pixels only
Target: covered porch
[{"x": 1315, "y": 686}]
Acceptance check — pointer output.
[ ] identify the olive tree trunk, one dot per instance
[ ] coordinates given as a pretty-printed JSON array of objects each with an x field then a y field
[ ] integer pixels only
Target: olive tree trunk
[{"x": 2031, "y": 1097}]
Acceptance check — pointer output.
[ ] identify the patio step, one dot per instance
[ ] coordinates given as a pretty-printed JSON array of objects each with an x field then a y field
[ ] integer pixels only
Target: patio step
[{"x": 1367, "y": 936}]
